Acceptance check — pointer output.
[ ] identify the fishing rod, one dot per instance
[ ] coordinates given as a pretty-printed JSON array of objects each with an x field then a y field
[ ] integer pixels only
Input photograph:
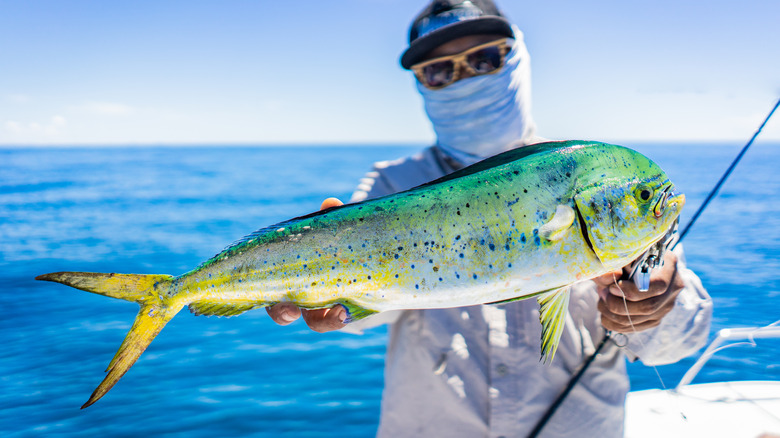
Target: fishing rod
[{"x": 651, "y": 259}]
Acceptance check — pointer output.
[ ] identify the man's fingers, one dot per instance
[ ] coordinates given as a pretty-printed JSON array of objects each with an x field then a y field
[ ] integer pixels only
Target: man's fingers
[
  {"x": 319, "y": 320},
  {"x": 635, "y": 322},
  {"x": 283, "y": 313},
  {"x": 607, "y": 279},
  {"x": 629, "y": 316},
  {"x": 325, "y": 320},
  {"x": 330, "y": 202},
  {"x": 662, "y": 280},
  {"x": 628, "y": 288},
  {"x": 616, "y": 309},
  {"x": 628, "y": 327}
]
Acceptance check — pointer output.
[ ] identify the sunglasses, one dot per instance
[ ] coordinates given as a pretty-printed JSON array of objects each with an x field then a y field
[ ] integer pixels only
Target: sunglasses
[{"x": 483, "y": 59}]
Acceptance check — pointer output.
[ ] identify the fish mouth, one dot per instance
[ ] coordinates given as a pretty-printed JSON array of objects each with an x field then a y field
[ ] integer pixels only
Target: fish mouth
[
  {"x": 676, "y": 200},
  {"x": 668, "y": 198},
  {"x": 584, "y": 229}
]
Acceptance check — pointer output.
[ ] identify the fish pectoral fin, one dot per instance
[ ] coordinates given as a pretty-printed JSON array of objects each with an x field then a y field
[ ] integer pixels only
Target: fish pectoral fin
[
  {"x": 562, "y": 219},
  {"x": 552, "y": 315},
  {"x": 222, "y": 308}
]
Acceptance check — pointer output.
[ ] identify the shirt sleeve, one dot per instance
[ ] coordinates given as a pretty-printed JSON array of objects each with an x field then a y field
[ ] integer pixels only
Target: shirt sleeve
[
  {"x": 372, "y": 185},
  {"x": 683, "y": 331}
]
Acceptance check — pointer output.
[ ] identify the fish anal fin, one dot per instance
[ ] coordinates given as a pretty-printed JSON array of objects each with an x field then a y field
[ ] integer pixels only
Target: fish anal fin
[
  {"x": 355, "y": 312},
  {"x": 552, "y": 314},
  {"x": 555, "y": 228},
  {"x": 508, "y": 300},
  {"x": 222, "y": 308},
  {"x": 522, "y": 296}
]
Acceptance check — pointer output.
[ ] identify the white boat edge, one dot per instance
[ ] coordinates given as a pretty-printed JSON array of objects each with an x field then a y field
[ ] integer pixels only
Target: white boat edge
[{"x": 720, "y": 409}]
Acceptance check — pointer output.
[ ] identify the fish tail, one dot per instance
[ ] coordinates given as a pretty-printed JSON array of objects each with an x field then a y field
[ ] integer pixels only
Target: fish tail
[{"x": 146, "y": 290}]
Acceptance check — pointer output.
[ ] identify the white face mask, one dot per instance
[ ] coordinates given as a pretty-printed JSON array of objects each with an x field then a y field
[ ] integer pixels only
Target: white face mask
[{"x": 482, "y": 116}]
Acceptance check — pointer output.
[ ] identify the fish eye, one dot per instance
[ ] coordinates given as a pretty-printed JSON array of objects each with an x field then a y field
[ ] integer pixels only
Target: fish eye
[{"x": 644, "y": 193}]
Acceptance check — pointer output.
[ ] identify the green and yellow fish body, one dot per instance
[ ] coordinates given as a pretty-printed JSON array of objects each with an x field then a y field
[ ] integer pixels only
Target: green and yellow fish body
[{"x": 529, "y": 222}]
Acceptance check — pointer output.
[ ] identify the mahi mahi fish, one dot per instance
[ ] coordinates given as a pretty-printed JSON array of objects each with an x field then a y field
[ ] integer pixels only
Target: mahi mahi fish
[{"x": 526, "y": 223}]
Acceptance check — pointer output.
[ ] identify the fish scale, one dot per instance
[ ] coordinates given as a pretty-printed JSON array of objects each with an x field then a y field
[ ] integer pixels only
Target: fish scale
[{"x": 526, "y": 223}]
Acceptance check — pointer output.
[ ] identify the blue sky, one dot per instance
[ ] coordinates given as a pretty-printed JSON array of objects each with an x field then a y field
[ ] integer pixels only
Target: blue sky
[{"x": 254, "y": 72}]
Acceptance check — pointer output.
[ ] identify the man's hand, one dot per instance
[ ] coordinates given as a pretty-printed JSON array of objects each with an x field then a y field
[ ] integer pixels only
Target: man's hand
[
  {"x": 640, "y": 310},
  {"x": 319, "y": 320}
]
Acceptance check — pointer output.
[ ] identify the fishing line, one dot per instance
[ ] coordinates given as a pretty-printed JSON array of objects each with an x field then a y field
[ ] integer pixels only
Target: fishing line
[
  {"x": 723, "y": 178},
  {"x": 639, "y": 338},
  {"x": 676, "y": 401},
  {"x": 608, "y": 336}
]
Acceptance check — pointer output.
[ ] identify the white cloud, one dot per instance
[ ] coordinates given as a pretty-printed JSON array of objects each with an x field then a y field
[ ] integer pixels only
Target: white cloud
[
  {"x": 58, "y": 121},
  {"x": 12, "y": 127},
  {"x": 54, "y": 127},
  {"x": 35, "y": 130}
]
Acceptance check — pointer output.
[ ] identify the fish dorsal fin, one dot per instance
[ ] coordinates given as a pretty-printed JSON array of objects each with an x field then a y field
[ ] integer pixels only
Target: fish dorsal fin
[
  {"x": 221, "y": 308},
  {"x": 511, "y": 155},
  {"x": 556, "y": 228},
  {"x": 552, "y": 315}
]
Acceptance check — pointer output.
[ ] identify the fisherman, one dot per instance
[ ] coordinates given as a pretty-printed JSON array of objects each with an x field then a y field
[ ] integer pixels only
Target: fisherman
[{"x": 475, "y": 371}]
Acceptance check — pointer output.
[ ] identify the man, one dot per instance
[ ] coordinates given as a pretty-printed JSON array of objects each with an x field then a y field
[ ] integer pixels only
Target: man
[{"x": 475, "y": 371}]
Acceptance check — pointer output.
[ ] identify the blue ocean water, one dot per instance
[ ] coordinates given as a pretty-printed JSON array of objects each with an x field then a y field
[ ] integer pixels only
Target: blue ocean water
[{"x": 164, "y": 210}]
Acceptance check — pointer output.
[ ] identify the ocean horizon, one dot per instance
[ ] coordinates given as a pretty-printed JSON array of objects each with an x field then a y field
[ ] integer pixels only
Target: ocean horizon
[{"x": 163, "y": 209}]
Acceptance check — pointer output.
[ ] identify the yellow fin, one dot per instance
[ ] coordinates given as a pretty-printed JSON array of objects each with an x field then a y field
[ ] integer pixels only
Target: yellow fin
[
  {"x": 129, "y": 287},
  {"x": 552, "y": 315},
  {"x": 555, "y": 228},
  {"x": 146, "y": 290},
  {"x": 148, "y": 324},
  {"x": 221, "y": 308}
]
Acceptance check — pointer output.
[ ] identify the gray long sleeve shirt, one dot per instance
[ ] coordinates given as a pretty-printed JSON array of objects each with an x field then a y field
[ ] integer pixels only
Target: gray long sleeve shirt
[{"x": 475, "y": 371}]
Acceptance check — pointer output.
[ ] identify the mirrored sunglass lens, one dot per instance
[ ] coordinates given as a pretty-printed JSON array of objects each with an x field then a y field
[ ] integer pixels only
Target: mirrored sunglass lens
[
  {"x": 485, "y": 60},
  {"x": 438, "y": 74}
]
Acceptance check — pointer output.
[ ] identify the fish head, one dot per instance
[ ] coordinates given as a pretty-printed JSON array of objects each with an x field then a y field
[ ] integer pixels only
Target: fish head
[{"x": 625, "y": 213}]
